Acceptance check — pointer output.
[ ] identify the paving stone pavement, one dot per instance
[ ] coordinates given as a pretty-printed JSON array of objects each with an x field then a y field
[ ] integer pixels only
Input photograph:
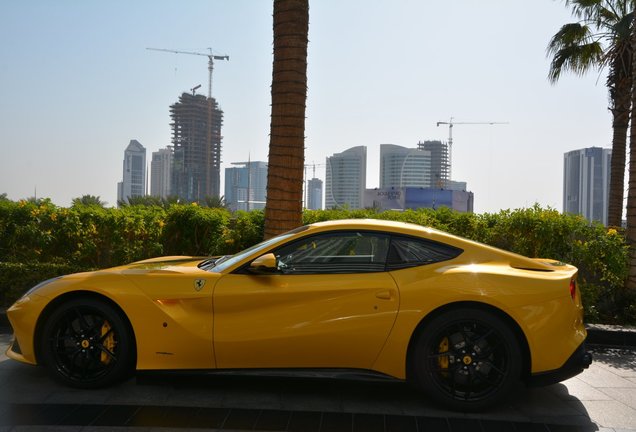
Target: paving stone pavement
[{"x": 603, "y": 398}]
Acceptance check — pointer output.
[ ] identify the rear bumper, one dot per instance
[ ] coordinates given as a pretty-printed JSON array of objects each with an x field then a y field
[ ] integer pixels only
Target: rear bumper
[{"x": 577, "y": 363}]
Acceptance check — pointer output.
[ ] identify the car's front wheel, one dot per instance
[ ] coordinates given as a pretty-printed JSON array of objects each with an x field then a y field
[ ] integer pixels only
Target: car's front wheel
[
  {"x": 467, "y": 359},
  {"x": 86, "y": 343}
]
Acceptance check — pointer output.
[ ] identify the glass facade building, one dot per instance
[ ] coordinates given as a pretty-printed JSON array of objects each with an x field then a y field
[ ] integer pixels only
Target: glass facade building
[
  {"x": 346, "y": 178},
  {"x": 246, "y": 185},
  {"x": 404, "y": 167},
  {"x": 314, "y": 194},
  {"x": 160, "y": 166},
  {"x": 134, "y": 172},
  {"x": 586, "y": 178}
]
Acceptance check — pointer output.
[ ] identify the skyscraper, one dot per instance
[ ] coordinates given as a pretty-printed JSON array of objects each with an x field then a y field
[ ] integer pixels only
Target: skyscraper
[
  {"x": 196, "y": 139},
  {"x": 160, "y": 167},
  {"x": 314, "y": 194},
  {"x": 586, "y": 177},
  {"x": 346, "y": 178},
  {"x": 134, "y": 173},
  {"x": 402, "y": 167},
  {"x": 246, "y": 185}
]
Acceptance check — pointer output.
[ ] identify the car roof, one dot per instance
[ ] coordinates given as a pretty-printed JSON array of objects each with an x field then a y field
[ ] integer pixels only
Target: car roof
[
  {"x": 486, "y": 252},
  {"x": 372, "y": 223},
  {"x": 382, "y": 225}
]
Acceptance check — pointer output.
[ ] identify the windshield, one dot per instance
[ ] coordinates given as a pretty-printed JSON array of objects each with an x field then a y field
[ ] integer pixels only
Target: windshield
[{"x": 227, "y": 261}]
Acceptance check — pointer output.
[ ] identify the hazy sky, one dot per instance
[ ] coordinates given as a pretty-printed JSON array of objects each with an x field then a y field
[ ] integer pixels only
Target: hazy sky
[{"x": 77, "y": 84}]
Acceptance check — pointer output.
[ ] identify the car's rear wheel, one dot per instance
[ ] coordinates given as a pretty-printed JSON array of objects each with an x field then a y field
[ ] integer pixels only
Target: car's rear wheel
[
  {"x": 85, "y": 343},
  {"x": 467, "y": 359}
]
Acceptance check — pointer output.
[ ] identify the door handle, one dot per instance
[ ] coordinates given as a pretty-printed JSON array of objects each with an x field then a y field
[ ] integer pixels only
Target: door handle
[{"x": 384, "y": 294}]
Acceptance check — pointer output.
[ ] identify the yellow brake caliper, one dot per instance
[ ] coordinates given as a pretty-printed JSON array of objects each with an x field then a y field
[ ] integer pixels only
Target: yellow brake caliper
[
  {"x": 109, "y": 342},
  {"x": 443, "y": 359}
]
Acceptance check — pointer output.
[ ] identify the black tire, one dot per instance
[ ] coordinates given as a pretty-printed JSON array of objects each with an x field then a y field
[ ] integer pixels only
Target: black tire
[
  {"x": 466, "y": 359},
  {"x": 85, "y": 343}
]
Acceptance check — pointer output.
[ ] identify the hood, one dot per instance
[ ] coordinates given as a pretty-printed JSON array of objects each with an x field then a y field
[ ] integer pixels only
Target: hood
[{"x": 168, "y": 264}]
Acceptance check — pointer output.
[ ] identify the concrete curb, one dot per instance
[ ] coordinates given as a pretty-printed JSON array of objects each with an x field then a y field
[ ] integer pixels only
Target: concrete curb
[
  {"x": 597, "y": 334},
  {"x": 611, "y": 335}
]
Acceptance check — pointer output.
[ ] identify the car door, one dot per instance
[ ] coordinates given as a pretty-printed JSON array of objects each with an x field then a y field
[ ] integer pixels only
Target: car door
[{"x": 330, "y": 304}]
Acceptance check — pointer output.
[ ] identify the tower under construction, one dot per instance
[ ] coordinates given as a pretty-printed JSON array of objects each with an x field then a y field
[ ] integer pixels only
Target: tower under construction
[
  {"x": 440, "y": 163},
  {"x": 196, "y": 139}
]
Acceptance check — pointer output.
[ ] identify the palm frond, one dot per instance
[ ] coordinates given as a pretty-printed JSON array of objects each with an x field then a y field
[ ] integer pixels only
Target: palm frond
[
  {"x": 597, "y": 40},
  {"x": 605, "y": 17},
  {"x": 623, "y": 26},
  {"x": 578, "y": 59},
  {"x": 569, "y": 35},
  {"x": 583, "y": 9},
  {"x": 619, "y": 8}
]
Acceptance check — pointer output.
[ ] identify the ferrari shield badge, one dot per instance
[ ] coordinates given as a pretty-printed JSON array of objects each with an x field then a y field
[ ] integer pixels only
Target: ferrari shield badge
[{"x": 199, "y": 284}]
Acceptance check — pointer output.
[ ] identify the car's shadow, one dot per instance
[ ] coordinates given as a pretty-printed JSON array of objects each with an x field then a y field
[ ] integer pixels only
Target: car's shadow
[
  {"x": 549, "y": 405},
  {"x": 343, "y": 398}
]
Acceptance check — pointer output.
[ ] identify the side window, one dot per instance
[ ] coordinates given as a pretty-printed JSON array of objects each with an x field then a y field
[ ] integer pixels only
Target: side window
[
  {"x": 410, "y": 252},
  {"x": 339, "y": 252}
]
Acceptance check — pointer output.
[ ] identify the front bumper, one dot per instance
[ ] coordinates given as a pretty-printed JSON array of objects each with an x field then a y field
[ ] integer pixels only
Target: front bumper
[
  {"x": 577, "y": 363},
  {"x": 14, "y": 351}
]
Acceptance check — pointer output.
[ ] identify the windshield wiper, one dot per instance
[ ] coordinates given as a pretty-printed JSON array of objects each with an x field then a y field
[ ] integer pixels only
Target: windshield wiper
[
  {"x": 212, "y": 262},
  {"x": 209, "y": 263}
]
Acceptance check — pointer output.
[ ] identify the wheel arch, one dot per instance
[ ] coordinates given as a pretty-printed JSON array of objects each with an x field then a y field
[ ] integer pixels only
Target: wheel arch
[
  {"x": 500, "y": 314},
  {"x": 53, "y": 304}
]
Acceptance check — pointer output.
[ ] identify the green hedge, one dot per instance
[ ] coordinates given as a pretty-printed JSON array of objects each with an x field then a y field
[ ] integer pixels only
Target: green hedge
[
  {"x": 17, "y": 278},
  {"x": 86, "y": 237}
]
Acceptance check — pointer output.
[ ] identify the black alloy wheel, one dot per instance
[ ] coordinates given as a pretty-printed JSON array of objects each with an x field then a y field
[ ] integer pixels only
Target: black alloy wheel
[
  {"x": 87, "y": 344},
  {"x": 467, "y": 359}
]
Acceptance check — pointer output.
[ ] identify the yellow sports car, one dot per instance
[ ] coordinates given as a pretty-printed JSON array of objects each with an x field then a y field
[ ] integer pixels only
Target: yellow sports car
[{"x": 463, "y": 321}]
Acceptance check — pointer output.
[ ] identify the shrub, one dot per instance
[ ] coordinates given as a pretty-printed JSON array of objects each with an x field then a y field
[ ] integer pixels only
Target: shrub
[
  {"x": 243, "y": 230},
  {"x": 192, "y": 230}
]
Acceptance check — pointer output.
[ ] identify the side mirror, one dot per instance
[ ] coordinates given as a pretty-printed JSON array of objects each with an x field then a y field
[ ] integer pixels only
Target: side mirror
[{"x": 264, "y": 264}]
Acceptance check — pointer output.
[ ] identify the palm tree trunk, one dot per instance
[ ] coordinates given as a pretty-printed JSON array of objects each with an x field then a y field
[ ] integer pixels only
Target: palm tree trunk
[
  {"x": 620, "y": 125},
  {"x": 630, "y": 283},
  {"x": 283, "y": 210},
  {"x": 620, "y": 95}
]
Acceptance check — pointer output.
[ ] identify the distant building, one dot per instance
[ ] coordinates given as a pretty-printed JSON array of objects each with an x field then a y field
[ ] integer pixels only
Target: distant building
[
  {"x": 586, "y": 178},
  {"x": 402, "y": 167},
  {"x": 196, "y": 140},
  {"x": 456, "y": 185},
  {"x": 314, "y": 194},
  {"x": 246, "y": 186},
  {"x": 160, "y": 174},
  {"x": 440, "y": 162},
  {"x": 414, "y": 198},
  {"x": 134, "y": 173},
  {"x": 346, "y": 178}
]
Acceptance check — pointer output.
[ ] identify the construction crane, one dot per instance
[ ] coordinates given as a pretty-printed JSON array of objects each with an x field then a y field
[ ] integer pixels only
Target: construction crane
[
  {"x": 211, "y": 57},
  {"x": 194, "y": 89},
  {"x": 452, "y": 123},
  {"x": 312, "y": 165}
]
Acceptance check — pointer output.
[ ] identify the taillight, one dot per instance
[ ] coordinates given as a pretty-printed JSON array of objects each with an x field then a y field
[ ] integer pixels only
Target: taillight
[{"x": 572, "y": 288}]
